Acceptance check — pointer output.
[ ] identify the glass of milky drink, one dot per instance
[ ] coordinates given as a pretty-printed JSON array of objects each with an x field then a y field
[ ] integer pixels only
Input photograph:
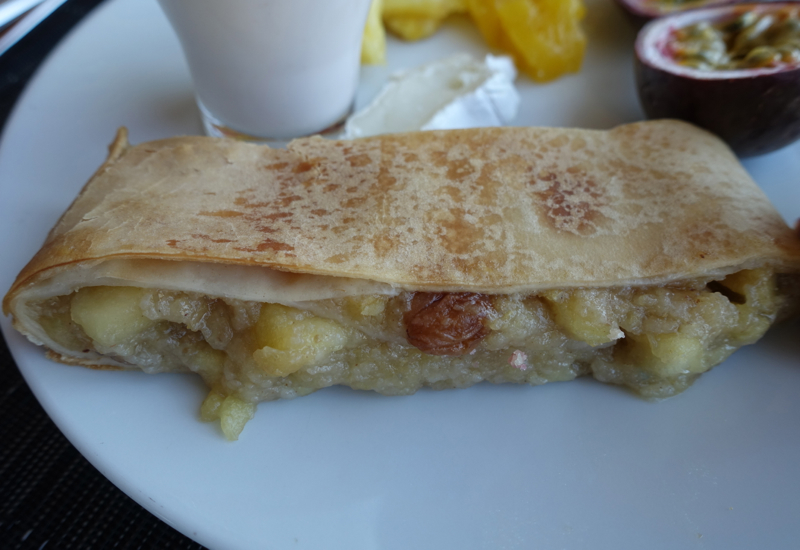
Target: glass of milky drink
[{"x": 271, "y": 70}]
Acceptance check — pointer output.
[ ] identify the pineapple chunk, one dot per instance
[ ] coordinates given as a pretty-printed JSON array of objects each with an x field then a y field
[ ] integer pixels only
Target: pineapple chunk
[
  {"x": 412, "y": 28},
  {"x": 430, "y": 9},
  {"x": 290, "y": 339},
  {"x": 109, "y": 315},
  {"x": 544, "y": 36},
  {"x": 417, "y": 19},
  {"x": 373, "y": 43}
]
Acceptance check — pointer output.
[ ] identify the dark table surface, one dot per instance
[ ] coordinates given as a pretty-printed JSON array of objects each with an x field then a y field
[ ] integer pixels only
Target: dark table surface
[{"x": 50, "y": 496}]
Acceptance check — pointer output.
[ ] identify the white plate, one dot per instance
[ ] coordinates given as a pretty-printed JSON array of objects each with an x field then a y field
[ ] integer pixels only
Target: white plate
[{"x": 576, "y": 465}]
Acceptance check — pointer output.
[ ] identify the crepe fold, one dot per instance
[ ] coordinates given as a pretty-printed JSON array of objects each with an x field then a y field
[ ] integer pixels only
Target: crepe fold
[{"x": 498, "y": 212}]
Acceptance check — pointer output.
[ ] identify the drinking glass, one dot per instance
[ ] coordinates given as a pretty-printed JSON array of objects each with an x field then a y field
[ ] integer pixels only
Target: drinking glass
[{"x": 271, "y": 70}]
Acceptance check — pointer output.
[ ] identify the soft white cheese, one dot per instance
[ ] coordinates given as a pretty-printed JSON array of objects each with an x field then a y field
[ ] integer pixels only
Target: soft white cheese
[{"x": 456, "y": 92}]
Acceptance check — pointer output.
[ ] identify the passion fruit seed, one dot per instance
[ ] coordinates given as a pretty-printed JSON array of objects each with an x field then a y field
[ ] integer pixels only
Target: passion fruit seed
[
  {"x": 747, "y": 41},
  {"x": 748, "y": 36},
  {"x": 790, "y": 54},
  {"x": 700, "y": 46},
  {"x": 741, "y": 22},
  {"x": 731, "y": 69},
  {"x": 762, "y": 56}
]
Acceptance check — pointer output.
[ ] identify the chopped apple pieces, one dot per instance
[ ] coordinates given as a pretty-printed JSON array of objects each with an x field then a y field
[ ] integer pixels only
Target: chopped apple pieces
[
  {"x": 290, "y": 339},
  {"x": 233, "y": 413},
  {"x": 654, "y": 339},
  {"x": 110, "y": 315},
  {"x": 585, "y": 315}
]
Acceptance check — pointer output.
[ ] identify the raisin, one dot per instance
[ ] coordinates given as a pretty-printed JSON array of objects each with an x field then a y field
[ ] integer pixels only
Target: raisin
[{"x": 441, "y": 323}]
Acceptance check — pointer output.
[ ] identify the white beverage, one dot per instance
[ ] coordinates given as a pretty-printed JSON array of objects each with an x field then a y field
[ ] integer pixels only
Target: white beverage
[{"x": 273, "y": 69}]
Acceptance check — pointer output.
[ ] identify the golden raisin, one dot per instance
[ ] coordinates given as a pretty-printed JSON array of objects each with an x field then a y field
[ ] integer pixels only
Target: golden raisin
[{"x": 447, "y": 323}]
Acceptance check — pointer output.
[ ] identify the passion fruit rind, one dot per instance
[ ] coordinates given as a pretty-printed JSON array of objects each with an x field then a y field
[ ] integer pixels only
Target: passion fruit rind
[
  {"x": 641, "y": 12},
  {"x": 755, "y": 110}
]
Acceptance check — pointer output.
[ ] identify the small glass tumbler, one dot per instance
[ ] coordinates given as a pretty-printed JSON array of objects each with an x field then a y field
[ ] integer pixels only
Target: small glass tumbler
[{"x": 271, "y": 70}]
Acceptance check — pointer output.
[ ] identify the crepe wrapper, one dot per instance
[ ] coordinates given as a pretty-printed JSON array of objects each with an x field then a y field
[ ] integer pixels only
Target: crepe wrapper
[{"x": 493, "y": 210}]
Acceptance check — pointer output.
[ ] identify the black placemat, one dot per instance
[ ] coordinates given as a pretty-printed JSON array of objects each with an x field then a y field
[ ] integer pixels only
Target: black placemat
[{"x": 50, "y": 496}]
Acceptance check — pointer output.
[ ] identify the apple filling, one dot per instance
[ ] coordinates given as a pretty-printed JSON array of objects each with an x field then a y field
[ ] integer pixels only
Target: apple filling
[{"x": 654, "y": 340}]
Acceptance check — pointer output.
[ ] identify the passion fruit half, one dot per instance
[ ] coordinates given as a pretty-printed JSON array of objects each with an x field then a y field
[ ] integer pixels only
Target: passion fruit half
[
  {"x": 643, "y": 11},
  {"x": 733, "y": 70}
]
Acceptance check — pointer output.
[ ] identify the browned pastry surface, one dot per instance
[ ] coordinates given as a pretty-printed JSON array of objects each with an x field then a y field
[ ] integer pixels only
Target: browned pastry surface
[{"x": 491, "y": 210}]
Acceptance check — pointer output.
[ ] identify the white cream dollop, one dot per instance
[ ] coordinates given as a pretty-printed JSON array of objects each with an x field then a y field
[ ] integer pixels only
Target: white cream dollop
[{"x": 456, "y": 92}]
